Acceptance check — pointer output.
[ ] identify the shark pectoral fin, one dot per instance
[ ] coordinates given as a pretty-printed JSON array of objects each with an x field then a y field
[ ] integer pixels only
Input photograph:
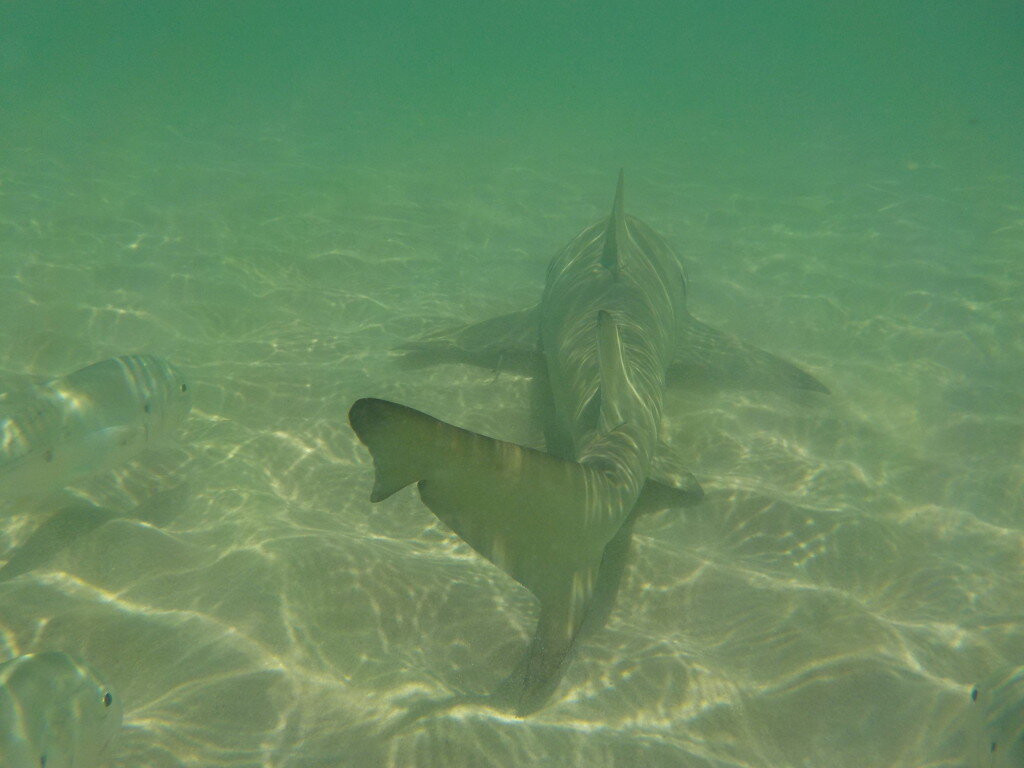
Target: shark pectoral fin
[
  {"x": 706, "y": 355},
  {"x": 659, "y": 495},
  {"x": 507, "y": 342},
  {"x": 525, "y": 511}
]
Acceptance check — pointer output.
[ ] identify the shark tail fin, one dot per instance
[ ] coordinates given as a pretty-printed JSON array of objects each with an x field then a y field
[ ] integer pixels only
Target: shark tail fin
[
  {"x": 515, "y": 506},
  {"x": 531, "y": 514},
  {"x": 399, "y": 441},
  {"x": 615, "y": 234}
]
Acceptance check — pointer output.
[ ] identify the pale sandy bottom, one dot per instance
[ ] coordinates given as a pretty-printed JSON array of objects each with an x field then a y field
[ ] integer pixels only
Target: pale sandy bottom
[{"x": 857, "y": 564}]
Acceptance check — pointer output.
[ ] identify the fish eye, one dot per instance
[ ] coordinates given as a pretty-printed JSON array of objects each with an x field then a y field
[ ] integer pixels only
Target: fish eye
[
  {"x": 184, "y": 388},
  {"x": 147, "y": 407},
  {"x": 108, "y": 699},
  {"x": 974, "y": 693}
]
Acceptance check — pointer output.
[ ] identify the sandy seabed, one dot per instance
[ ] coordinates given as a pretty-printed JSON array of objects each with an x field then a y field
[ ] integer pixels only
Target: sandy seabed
[{"x": 857, "y": 564}]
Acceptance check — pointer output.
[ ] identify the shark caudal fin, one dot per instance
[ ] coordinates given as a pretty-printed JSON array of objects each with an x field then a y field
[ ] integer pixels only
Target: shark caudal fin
[
  {"x": 539, "y": 518},
  {"x": 531, "y": 514},
  {"x": 615, "y": 233}
]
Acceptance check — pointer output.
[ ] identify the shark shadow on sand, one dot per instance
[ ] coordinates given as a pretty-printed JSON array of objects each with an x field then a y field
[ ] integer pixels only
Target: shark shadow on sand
[
  {"x": 75, "y": 521},
  {"x": 610, "y": 333}
]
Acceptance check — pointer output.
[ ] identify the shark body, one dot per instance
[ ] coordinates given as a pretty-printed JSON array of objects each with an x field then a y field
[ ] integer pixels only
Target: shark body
[{"x": 610, "y": 332}]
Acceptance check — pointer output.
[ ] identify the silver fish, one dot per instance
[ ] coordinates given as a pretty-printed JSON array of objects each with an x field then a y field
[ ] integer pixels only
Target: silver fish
[
  {"x": 89, "y": 421},
  {"x": 55, "y": 713},
  {"x": 996, "y": 722},
  {"x": 610, "y": 333}
]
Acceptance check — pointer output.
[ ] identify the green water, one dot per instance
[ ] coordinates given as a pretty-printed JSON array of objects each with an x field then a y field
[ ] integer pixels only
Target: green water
[{"x": 274, "y": 195}]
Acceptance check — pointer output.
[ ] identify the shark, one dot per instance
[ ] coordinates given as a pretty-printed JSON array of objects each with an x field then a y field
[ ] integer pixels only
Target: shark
[{"x": 611, "y": 332}]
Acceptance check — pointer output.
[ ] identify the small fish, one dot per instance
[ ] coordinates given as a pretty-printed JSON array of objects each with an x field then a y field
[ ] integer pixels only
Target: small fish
[
  {"x": 89, "y": 421},
  {"x": 997, "y": 721},
  {"x": 55, "y": 713}
]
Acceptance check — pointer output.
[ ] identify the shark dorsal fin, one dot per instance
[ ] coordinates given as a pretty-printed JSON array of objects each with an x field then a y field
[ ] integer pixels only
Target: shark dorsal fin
[{"x": 615, "y": 234}]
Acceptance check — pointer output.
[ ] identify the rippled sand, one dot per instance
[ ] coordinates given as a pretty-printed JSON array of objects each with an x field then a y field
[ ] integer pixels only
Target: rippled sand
[{"x": 856, "y": 566}]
